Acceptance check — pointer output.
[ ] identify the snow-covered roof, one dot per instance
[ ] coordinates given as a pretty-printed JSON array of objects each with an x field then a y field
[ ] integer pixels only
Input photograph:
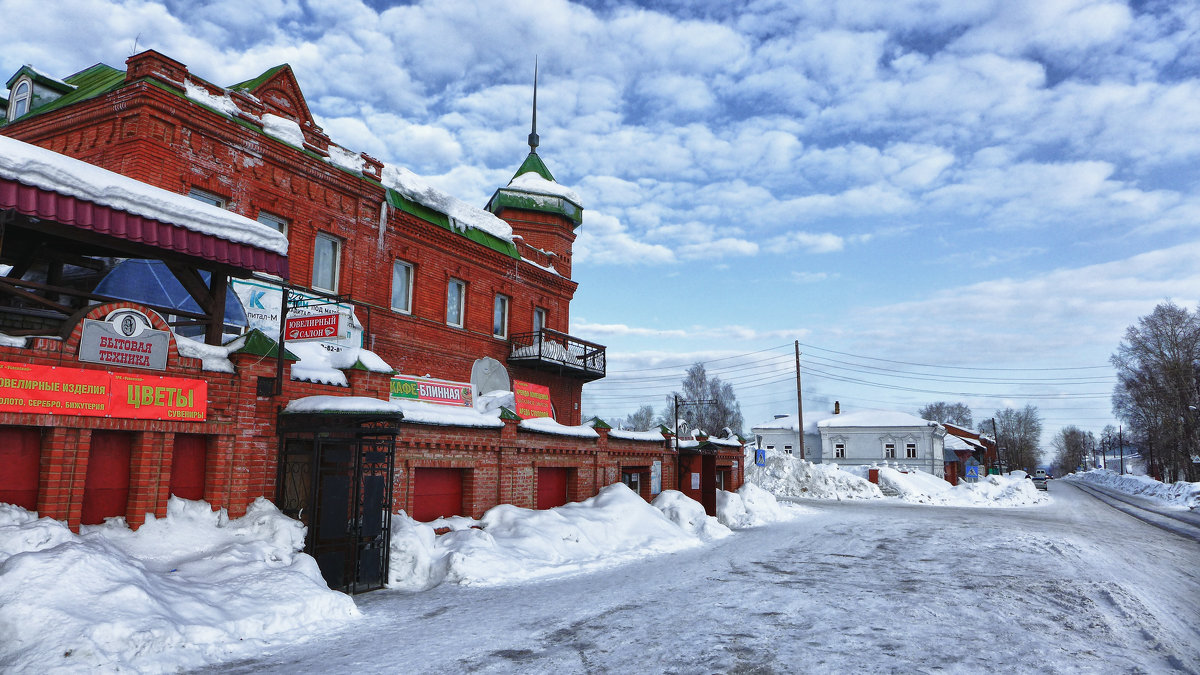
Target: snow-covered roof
[
  {"x": 419, "y": 412},
  {"x": 789, "y": 422},
  {"x": 461, "y": 214},
  {"x": 341, "y": 404},
  {"x": 875, "y": 418},
  {"x": 531, "y": 182},
  {"x": 953, "y": 442},
  {"x": 51, "y": 171},
  {"x": 548, "y": 425},
  {"x": 636, "y": 435}
]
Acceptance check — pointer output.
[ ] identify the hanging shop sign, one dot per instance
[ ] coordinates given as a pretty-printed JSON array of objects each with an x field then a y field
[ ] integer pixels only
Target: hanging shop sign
[
  {"x": 262, "y": 302},
  {"x": 428, "y": 390},
  {"x": 315, "y": 327},
  {"x": 124, "y": 338},
  {"x": 533, "y": 400},
  {"x": 55, "y": 390}
]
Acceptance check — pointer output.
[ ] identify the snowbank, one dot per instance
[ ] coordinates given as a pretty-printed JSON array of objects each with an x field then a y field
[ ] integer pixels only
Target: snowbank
[
  {"x": 789, "y": 476},
  {"x": 1178, "y": 494},
  {"x": 182, "y": 591},
  {"x": 511, "y": 544},
  {"x": 919, "y": 487},
  {"x": 752, "y": 506}
]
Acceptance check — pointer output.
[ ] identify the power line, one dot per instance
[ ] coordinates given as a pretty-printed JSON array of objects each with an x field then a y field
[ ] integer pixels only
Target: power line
[{"x": 931, "y": 365}]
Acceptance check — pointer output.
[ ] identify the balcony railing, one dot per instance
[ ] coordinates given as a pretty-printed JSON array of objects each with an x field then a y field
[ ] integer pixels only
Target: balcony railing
[{"x": 554, "y": 351}]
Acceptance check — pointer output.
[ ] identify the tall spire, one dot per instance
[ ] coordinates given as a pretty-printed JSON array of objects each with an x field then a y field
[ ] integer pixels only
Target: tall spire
[{"x": 533, "y": 136}]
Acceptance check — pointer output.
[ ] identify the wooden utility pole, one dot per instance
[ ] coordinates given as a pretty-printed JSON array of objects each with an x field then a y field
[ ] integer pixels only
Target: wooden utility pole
[
  {"x": 1121, "y": 444},
  {"x": 799, "y": 404}
]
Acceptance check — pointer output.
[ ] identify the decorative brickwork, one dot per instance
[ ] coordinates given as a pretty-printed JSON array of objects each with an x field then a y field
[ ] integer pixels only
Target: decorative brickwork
[{"x": 149, "y": 129}]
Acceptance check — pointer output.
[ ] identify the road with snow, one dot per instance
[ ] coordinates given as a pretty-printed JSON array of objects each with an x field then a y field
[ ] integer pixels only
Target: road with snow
[{"x": 1076, "y": 586}]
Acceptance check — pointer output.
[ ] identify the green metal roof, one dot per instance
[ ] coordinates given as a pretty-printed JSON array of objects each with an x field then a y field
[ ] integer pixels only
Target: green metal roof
[
  {"x": 399, "y": 201},
  {"x": 258, "y": 344},
  {"x": 252, "y": 83},
  {"x": 535, "y": 164},
  {"x": 90, "y": 83}
]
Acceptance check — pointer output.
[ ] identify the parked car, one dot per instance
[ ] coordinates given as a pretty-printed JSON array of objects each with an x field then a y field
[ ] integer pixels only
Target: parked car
[{"x": 1040, "y": 478}]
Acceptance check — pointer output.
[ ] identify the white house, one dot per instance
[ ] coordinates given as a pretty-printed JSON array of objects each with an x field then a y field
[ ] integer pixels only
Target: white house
[
  {"x": 873, "y": 437},
  {"x": 781, "y": 434}
]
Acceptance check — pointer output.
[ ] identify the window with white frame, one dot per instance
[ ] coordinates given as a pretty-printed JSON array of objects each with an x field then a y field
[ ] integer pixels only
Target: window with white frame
[
  {"x": 500, "y": 316},
  {"x": 770, "y": 447},
  {"x": 839, "y": 450},
  {"x": 910, "y": 450},
  {"x": 327, "y": 253},
  {"x": 539, "y": 319},
  {"x": 889, "y": 450},
  {"x": 402, "y": 286},
  {"x": 787, "y": 449},
  {"x": 456, "y": 292},
  {"x": 22, "y": 93},
  {"x": 207, "y": 197},
  {"x": 278, "y": 222}
]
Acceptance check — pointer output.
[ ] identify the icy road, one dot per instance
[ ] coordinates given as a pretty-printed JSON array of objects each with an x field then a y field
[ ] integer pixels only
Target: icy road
[{"x": 1076, "y": 586}]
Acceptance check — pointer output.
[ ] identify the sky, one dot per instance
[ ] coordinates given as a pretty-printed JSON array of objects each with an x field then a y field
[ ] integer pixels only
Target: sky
[{"x": 963, "y": 202}]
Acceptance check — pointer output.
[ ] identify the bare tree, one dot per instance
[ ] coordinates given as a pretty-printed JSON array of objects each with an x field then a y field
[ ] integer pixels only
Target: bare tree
[
  {"x": 719, "y": 409},
  {"x": 641, "y": 420},
  {"x": 958, "y": 414},
  {"x": 1019, "y": 434},
  {"x": 1071, "y": 447}
]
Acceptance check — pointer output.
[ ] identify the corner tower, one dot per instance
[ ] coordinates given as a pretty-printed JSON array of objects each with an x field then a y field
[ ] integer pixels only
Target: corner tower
[{"x": 542, "y": 212}]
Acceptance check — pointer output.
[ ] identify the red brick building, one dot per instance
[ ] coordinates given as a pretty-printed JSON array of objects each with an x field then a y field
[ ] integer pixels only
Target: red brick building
[{"x": 422, "y": 286}]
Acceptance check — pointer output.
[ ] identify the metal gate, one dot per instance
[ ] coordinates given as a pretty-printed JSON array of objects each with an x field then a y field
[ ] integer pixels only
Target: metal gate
[{"x": 335, "y": 476}]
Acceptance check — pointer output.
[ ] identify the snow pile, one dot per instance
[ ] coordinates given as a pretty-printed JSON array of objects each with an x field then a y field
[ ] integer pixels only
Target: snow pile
[
  {"x": 511, "y": 544},
  {"x": 752, "y": 506},
  {"x": 1179, "y": 494},
  {"x": 346, "y": 159},
  {"x": 919, "y": 487},
  {"x": 222, "y": 103},
  {"x": 689, "y": 515},
  {"x": 284, "y": 129},
  {"x": 789, "y": 476},
  {"x": 182, "y": 591}
]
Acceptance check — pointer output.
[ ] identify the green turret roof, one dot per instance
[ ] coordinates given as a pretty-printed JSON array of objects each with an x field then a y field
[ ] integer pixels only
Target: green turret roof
[{"x": 535, "y": 164}]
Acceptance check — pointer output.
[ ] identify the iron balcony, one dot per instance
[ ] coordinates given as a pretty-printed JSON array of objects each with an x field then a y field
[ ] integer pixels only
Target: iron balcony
[{"x": 550, "y": 350}]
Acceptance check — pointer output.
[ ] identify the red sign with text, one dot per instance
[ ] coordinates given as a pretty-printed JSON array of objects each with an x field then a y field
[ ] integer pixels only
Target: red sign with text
[
  {"x": 53, "y": 390},
  {"x": 315, "y": 327},
  {"x": 533, "y": 400},
  {"x": 150, "y": 397}
]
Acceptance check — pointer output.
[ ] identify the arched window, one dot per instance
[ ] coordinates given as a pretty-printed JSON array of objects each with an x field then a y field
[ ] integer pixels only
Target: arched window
[{"x": 20, "y": 100}]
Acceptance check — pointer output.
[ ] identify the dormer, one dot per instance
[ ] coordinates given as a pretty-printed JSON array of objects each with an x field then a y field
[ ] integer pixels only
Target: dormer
[
  {"x": 279, "y": 94},
  {"x": 29, "y": 90}
]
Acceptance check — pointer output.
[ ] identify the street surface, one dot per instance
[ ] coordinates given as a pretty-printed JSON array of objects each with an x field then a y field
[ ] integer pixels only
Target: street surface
[{"x": 1076, "y": 586}]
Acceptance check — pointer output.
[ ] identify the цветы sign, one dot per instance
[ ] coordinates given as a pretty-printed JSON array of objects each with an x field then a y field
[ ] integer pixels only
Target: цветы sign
[
  {"x": 52, "y": 390},
  {"x": 444, "y": 392}
]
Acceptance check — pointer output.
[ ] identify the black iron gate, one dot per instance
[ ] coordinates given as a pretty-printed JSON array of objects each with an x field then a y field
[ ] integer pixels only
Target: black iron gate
[{"x": 335, "y": 476}]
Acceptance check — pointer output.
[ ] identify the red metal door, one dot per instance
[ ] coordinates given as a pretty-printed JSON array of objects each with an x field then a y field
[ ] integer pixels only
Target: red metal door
[
  {"x": 106, "y": 487},
  {"x": 20, "y": 465},
  {"x": 188, "y": 466},
  {"x": 551, "y": 487},
  {"x": 437, "y": 493}
]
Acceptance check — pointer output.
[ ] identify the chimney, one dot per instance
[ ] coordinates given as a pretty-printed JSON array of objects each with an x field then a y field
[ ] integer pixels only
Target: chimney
[{"x": 837, "y": 407}]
